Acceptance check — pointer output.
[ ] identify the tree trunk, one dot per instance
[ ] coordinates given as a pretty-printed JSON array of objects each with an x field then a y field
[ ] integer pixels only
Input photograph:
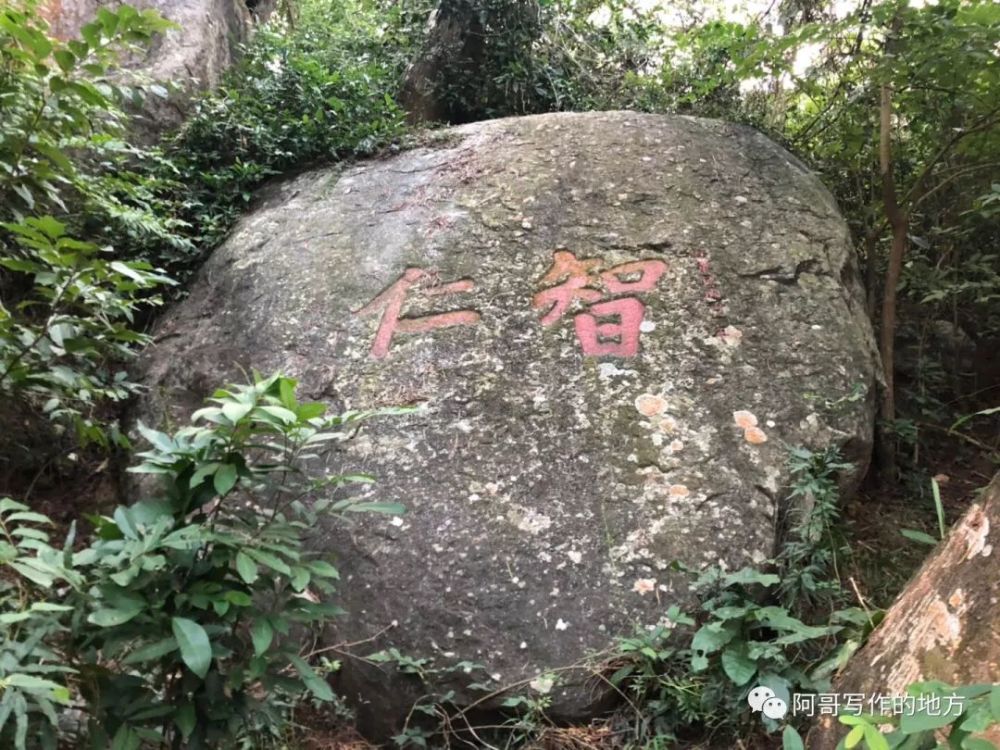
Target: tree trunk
[
  {"x": 944, "y": 626},
  {"x": 453, "y": 50},
  {"x": 899, "y": 221}
]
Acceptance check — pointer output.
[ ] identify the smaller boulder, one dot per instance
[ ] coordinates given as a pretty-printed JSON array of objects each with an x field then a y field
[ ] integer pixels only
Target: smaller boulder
[{"x": 193, "y": 56}]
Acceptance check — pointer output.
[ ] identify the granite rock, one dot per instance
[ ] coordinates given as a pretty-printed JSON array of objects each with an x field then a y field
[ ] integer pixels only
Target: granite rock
[{"x": 615, "y": 325}]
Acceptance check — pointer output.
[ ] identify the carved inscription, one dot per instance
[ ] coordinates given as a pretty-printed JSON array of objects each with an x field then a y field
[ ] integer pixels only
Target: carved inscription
[
  {"x": 390, "y": 303},
  {"x": 607, "y": 327}
]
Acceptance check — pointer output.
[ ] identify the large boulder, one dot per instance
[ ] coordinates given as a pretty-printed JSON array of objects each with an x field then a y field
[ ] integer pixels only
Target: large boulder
[
  {"x": 616, "y": 324},
  {"x": 191, "y": 57}
]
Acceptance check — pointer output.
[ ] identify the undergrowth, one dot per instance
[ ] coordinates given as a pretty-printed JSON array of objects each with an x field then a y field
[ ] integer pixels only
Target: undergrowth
[{"x": 178, "y": 620}]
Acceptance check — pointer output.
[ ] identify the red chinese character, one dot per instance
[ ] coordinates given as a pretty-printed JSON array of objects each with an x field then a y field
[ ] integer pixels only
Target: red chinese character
[
  {"x": 390, "y": 302},
  {"x": 620, "y": 339},
  {"x": 577, "y": 275},
  {"x": 576, "y": 279},
  {"x": 649, "y": 272}
]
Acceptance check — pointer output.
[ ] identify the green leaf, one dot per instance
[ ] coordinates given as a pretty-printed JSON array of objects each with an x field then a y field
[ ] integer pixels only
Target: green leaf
[
  {"x": 730, "y": 612},
  {"x": 995, "y": 702},
  {"x": 32, "y": 683},
  {"x": 65, "y": 59},
  {"x": 975, "y": 721},
  {"x": 261, "y": 633},
  {"x": 300, "y": 578},
  {"x": 317, "y": 685},
  {"x": 29, "y": 571},
  {"x": 225, "y": 478},
  {"x": 196, "y": 649},
  {"x": 246, "y": 567},
  {"x": 711, "y": 637},
  {"x": 739, "y": 667},
  {"x": 29, "y": 517},
  {"x": 109, "y": 617},
  {"x": 747, "y": 576},
  {"x": 875, "y": 739},
  {"x": 983, "y": 413},
  {"x": 185, "y": 718},
  {"x": 911, "y": 723},
  {"x": 269, "y": 560},
  {"x": 160, "y": 440},
  {"x": 391, "y": 509},
  {"x": 9, "y": 618},
  {"x": 791, "y": 740},
  {"x": 779, "y": 619},
  {"x": 234, "y": 412},
  {"x": 311, "y": 411},
  {"x": 854, "y": 737},
  {"x": 284, "y": 415},
  {"x": 126, "y": 739},
  {"x": 27, "y": 532},
  {"x": 286, "y": 389},
  {"x": 977, "y": 743},
  {"x": 152, "y": 652},
  {"x": 617, "y": 678},
  {"x": 919, "y": 536},
  {"x": 239, "y": 598},
  {"x": 323, "y": 569},
  {"x": 203, "y": 471},
  {"x": 7, "y": 505},
  {"x": 52, "y": 227}
]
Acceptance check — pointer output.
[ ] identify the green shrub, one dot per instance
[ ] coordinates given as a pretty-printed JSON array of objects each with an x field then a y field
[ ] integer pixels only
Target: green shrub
[
  {"x": 181, "y": 621},
  {"x": 69, "y": 301},
  {"x": 64, "y": 146},
  {"x": 60, "y": 343},
  {"x": 808, "y": 559},
  {"x": 301, "y": 96},
  {"x": 696, "y": 674}
]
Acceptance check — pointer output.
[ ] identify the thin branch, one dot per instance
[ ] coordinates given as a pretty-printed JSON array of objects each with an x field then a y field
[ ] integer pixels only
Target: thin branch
[
  {"x": 951, "y": 178},
  {"x": 863, "y": 18},
  {"x": 985, "y": 123}
]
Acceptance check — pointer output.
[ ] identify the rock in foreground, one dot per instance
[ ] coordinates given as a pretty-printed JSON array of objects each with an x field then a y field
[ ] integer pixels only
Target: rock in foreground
[{"x": 617, "y": 323}]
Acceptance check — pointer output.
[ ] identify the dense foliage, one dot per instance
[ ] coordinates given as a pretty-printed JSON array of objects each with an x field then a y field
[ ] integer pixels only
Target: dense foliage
[
  {"x": 305, "y": 94},
  {"x": 180, "y": 620},
  {"x": 68, "y": 296}
]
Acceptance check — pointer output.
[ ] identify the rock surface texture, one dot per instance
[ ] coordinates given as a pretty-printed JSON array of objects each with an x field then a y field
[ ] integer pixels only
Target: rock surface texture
[
  {"x": 616, "y": 324},
  {"x": 194, "y": 56}
]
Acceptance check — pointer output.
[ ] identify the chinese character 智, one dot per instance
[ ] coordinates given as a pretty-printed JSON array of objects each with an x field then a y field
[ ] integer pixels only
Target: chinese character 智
[
  {"x": 575, "y": 276},
  {"x": 605, "y": 328},
  {"x": 390, "y": 303}
]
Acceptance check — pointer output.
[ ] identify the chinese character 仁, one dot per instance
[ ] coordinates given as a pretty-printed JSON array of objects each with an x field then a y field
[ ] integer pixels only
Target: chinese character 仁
[{"x": 390, "y": 303}]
